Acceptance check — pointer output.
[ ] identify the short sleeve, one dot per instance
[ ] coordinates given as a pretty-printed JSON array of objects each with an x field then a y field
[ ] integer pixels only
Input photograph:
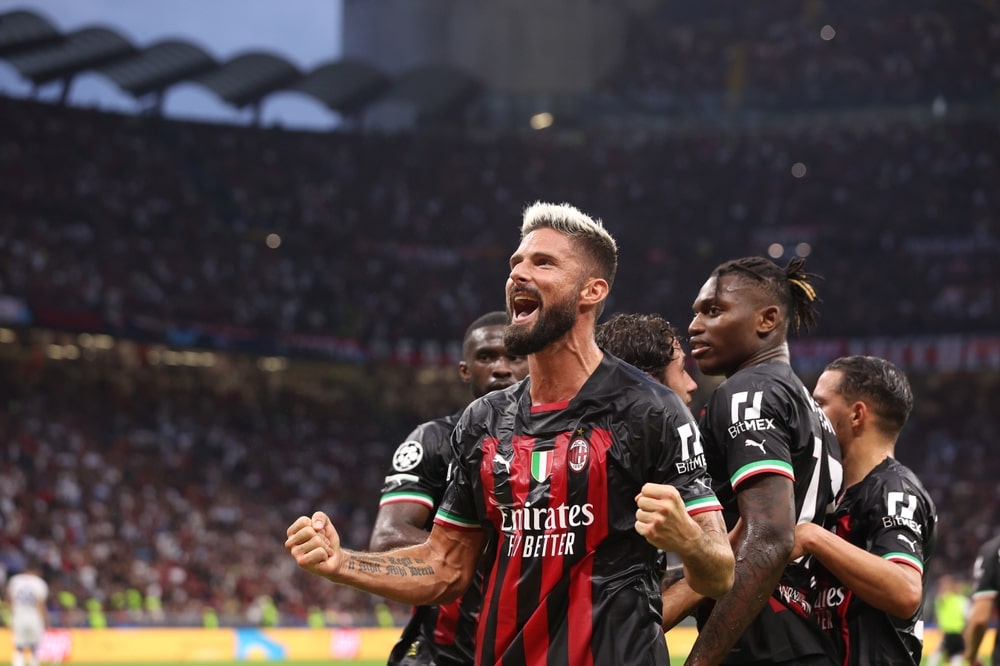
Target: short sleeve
[
  {"x": 986, "y": 571},
  {"x": 901, "y": 520},
  {"x": 458, "y": 509},
  {"x": 680, "y": 458},
  {"x": 419, "y": 468},
  {"x": 750, "y": 423}
]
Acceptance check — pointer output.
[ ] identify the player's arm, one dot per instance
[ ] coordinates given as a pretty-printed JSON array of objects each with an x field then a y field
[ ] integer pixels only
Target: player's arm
[
  {"x": 891, "y": 586},
  {"x": 699, "y": 539},
  {"x": 399, "y": 524},
  {"x": 975, "y": 627},
  {"x": 768, "y": 513},
  {"x": 709, "y": 564},
  {"x": 434, "y": 572},
  {"x": 679, "y": 600}
]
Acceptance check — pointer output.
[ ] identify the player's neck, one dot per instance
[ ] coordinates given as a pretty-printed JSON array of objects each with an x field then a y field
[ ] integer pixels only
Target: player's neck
[
  {"x": 862, "y": 457},
  {"x": 559, "y": 371},
  {"x": 777, "y": 352}
]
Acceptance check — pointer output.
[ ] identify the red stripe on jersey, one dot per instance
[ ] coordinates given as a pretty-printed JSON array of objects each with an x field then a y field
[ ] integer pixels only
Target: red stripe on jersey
[
  {"x": 581, "y": 593},
  {"x": 489, "y": 447},
  {"x": 447, "y": 623},
  {"x": 845, "y": 634},
  {"x": 505, "y": 612},
  {"x": 537, "y": 634}
]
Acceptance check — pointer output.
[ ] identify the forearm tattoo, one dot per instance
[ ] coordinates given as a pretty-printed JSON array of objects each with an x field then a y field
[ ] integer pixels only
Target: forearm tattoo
[
  {"x": 389, "y": 565},
  {"x": 759, "y": 563}
]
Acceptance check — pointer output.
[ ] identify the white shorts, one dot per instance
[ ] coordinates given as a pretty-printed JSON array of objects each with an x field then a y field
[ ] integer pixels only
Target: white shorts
[{"x": 28, "y": 629}]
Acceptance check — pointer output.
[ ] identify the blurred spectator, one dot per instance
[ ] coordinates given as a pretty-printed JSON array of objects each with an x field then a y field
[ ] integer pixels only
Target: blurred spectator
[
  {"x": 164, "y": 492},
  {"x": 146, "y": 227}
]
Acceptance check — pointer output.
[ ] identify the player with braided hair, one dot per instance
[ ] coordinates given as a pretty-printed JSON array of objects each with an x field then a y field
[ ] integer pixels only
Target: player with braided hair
[{"x": 773, "y": 459}]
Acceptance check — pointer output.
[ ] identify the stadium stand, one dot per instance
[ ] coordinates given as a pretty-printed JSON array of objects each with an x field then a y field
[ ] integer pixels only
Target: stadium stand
[
  {"x": 361, "y": 257},
  {"x": 796, "y": 55},
  {"x": 160, "y": 491},
  {"x": 139, "y": 226}
]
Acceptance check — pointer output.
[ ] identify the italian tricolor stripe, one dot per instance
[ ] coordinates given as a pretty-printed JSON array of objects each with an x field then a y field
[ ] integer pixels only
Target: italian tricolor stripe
[
  {"x": 450, "y": 520},
  {"x": 762, "y": 467},
  {"x": 702, "y": 504},
  {"x": 416, "y": 498},
  {"x": 541, "y": 465},
  {"x": 905, "y": 558}
]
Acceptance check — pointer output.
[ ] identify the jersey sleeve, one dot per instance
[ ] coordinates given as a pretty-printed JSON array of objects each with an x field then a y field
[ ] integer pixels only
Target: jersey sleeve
[
  {"x": 901, "y": 522},
  {"x": 986, "y": 571},
  {"x": 458, "y": 509},
  {"x": 750, "y": 422},
  {"x": 419, "y": 468},
  {"x": 680, "y": 456}
]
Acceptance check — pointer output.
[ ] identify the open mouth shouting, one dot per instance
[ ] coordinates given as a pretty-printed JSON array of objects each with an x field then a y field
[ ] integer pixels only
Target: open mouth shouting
[{"x": 523, "y": 304}]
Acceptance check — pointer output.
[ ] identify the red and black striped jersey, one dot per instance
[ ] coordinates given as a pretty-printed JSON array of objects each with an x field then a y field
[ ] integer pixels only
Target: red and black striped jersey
[
  {"x": 986, "y": 581},
  {"x": 571, "y": 582},
  {"x": 889, "y": 514},
  {"x": 763, "y": 420},
  {"x": 419, "y": 474}
]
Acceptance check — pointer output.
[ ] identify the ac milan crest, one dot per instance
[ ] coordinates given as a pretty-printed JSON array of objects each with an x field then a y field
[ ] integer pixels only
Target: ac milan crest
[{"x": 579, "y": 454}]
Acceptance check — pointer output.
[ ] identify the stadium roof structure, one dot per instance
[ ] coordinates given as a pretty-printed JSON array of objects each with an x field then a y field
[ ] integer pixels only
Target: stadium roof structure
[{"x": 42, "y": 54}]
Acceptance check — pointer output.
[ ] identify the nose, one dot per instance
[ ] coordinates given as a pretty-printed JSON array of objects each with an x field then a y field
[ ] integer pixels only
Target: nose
[
  {"x": 518, "y": 273},
  {"x": 501, "y": 367},
  {"x": 695, "y": 327},
  {"x": 690, "y": 385}
]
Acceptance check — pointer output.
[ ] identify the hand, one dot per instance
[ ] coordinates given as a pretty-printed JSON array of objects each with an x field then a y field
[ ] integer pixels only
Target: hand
[
  {"x": 662, "y": 519},
  {"x": 315, "y": 544},
  {"x": 803, "y": 533}
]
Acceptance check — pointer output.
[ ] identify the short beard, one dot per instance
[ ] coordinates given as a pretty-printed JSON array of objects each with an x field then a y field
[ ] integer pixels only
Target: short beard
[{"x": 552, "y": 325}]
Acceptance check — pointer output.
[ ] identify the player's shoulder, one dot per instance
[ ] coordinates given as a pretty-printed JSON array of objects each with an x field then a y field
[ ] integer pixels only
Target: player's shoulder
[
  {"x": 991, "y": 549},
  {"x": 625, "y": 385},
  {"x": 769, "y": 377},
  {"x": 892, "y": 475},
  {"x": 433, "y": 430},
  {"x": 485, "y": 408}
]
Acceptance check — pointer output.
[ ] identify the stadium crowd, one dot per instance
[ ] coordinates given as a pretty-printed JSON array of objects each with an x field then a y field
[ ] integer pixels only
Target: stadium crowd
[
  {"x": 174, "y": 490},
  {"x": 794, "y": 55},
  {"x": 158, "y": 493},
  {"x": 138, "y": 224}
]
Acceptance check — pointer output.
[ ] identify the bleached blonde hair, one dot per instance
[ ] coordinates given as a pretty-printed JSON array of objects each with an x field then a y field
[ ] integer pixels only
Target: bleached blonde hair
[{"x": 588, "y": 232}]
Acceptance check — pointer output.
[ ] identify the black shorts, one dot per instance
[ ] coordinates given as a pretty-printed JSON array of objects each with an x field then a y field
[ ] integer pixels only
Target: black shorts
[{"x": 953, "y": 644}]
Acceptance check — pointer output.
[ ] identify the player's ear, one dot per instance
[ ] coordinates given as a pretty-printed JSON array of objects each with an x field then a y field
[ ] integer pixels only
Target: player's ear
[
  {"x": 859, "y": 414},
  {"x": 463, "y": 372},
  {"x": 768, "y": 319},
  {"x": 594, "y": 291}
]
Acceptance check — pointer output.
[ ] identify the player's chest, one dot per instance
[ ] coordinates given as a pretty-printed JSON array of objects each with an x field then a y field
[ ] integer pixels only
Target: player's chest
[{"x": 521, "y": 467}]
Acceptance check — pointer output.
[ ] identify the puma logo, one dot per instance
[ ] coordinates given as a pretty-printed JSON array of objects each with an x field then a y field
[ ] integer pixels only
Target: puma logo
[
  {"x": 759, "y": 445},
  {"x": 909, "y": 542},
  {"x": 499, "y": 459},
  {"x": 704, "y": 483}
]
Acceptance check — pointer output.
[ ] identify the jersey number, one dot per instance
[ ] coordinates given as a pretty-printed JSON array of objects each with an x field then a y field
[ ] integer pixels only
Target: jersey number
[{"x": 809, "y": 504}]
